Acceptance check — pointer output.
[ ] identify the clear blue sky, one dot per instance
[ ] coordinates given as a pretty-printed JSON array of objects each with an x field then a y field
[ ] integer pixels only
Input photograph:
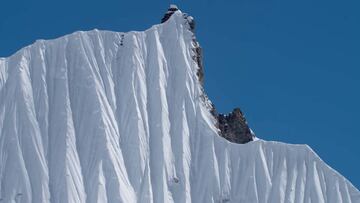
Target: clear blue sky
[{"x": 292, "y": 66}]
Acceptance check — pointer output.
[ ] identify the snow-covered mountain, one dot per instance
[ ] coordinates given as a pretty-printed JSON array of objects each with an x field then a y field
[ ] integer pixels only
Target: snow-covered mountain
[{"x": 104, "y": 116}]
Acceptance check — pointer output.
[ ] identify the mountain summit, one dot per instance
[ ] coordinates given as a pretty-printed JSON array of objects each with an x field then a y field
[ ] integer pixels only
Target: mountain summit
[
  {"x": 233, "y": 126},
  {"x": 102, "y": 116}
]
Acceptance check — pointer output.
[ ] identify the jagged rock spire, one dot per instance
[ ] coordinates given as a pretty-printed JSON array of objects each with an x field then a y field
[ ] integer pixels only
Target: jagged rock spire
[{"x": 234, "y": 127}]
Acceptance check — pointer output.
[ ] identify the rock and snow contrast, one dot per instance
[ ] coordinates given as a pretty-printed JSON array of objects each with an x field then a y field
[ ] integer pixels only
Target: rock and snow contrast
[{"x": 104, "y": 116}]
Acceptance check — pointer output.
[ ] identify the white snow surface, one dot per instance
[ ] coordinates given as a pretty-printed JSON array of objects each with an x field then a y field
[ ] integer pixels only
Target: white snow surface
[{"x": 86, "y": 119}]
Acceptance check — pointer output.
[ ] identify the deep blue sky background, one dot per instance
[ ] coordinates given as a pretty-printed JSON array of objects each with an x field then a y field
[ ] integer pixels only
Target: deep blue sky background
[{"x": 292, "y": 66}]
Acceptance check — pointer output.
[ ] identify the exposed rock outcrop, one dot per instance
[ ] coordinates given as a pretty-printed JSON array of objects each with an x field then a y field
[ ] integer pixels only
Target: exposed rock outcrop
[{"x": 234, "y": 127}]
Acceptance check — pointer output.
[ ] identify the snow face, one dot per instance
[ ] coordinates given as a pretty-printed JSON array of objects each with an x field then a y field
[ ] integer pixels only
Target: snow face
[{"x": 103, "y": 116}]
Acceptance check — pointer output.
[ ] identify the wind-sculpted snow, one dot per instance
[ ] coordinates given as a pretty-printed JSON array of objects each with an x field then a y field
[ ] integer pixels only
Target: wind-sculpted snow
[{"x": 104, "y": 116}]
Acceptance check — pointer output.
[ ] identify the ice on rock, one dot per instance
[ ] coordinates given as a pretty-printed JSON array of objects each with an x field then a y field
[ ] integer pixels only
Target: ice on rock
[
  {"x": 173, "y": 6},
  {"x": 83, "y": 119}
]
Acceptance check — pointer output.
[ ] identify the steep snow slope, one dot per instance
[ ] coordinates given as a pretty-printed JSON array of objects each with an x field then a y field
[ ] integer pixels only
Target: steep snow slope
[{"x": 103, "y": 116}]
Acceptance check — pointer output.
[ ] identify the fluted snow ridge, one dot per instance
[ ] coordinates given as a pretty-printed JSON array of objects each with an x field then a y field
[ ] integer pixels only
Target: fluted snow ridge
[{"x": 103, "y": 116}]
